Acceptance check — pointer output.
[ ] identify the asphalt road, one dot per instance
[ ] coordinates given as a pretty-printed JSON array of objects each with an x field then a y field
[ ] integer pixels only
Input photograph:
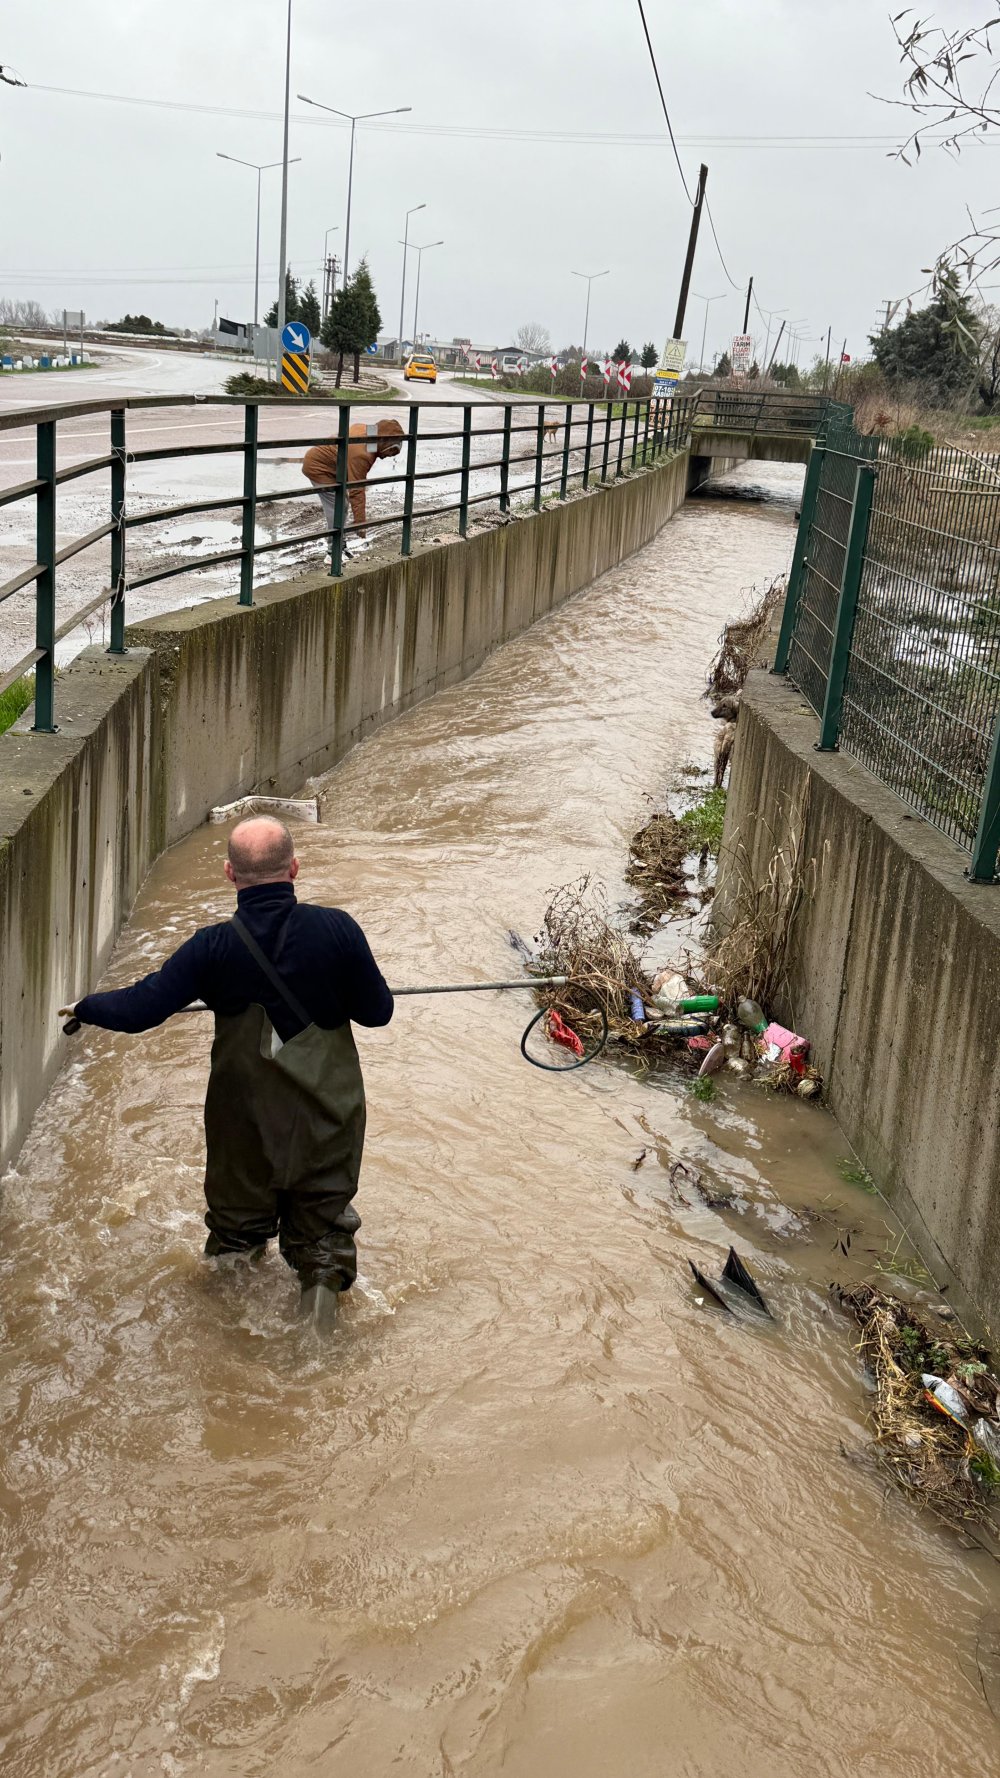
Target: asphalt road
[{"x": 83, "y": 506}]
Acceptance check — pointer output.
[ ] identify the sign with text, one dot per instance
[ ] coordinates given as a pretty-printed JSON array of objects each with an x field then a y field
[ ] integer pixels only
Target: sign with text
[
  {"x": 671, "y": 362},
  {"x": 741, "y": 355}
]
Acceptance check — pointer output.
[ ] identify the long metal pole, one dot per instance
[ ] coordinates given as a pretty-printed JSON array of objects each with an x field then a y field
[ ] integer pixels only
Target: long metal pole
[
  {"x": 746, "y": 312},
  {"x": 402, "y": 287},
  {"x": 283, "y": 238},
  {"x": 256, "y": 265},
  {"x": 416, "y": 300},
  {"x": 704, "y": 334},
  {"x": 350, "y": 186},
  {"x": 689, "y": 257},
  {"x": 586, "y": 318}
]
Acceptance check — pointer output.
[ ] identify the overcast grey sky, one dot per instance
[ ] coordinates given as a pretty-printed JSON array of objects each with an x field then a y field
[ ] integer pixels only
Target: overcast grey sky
[{"x": 110, "y": 206}]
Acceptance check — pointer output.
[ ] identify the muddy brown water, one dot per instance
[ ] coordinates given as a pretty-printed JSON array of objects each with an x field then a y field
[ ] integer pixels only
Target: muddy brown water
[{"x": 533, "y": 1510}]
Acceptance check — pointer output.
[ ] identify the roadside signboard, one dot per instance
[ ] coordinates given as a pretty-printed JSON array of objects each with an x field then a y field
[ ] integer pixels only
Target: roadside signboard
[
  {"x": 583, "y": 370},
  {"x": 624, "y": 376},
  {"x": 741, "y": 355},
  {"x": 553, "y": 368},
  {"x": 295, "y": 337},
  {"x": 606, "y": 371}
]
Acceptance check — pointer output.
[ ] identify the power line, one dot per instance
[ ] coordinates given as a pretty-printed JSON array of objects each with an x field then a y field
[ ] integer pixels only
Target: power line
[
  {"x": 472, "y": 132},
  {"x": 663, "y": 102},
  {"x": 718, "y": 249}
]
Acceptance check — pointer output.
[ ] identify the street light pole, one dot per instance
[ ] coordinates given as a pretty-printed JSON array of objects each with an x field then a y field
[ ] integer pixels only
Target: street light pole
[
  {"x": 258, "y": 167},
  {"x": 283, "y": 239},
  {"x": 419, "y": 251},
  {"x": 402, "y": 288},
  {"x": 354, "y": 118},
  {"x": 589, "y": 276},
  {"x": 704, "y": 332}
]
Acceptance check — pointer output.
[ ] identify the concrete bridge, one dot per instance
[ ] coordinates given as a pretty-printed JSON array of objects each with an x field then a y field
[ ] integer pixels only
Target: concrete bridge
[{"x": 753, "y": 426}]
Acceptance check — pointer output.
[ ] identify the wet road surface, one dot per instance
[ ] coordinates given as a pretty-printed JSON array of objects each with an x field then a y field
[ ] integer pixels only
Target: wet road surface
[{"x": 532, "y": 1510}]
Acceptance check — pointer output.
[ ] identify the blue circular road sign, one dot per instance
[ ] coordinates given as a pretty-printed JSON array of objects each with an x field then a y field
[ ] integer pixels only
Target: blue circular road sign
[{"x": 295, "y": 337}]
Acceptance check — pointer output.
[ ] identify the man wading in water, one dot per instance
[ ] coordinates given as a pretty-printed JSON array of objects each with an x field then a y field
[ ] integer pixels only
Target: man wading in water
[{"x": 285, "y": 1108}]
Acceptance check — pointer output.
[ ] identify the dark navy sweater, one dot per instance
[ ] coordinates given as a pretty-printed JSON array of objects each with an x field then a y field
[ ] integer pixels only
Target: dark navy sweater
[{"x": 321, "y": 953}]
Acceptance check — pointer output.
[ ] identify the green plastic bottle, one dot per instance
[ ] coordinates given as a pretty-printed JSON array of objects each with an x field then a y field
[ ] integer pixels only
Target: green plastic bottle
[{"x": 699, "y": 1003}]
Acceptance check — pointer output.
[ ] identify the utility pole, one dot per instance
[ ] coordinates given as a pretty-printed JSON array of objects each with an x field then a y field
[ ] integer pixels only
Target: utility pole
[
  {"x": 774, "y": 354},
  {"x": 826, "y": 366},
  {"x": 689, "y": 258},
  {"x": 283, "y": 240},
  {"x": 746, "y": 312}
]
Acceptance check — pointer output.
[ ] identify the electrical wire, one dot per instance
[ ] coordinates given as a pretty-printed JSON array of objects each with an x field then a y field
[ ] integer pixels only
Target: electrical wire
[
  {"x": 718, "y": 249},
  {"x": 473, "y": 132},
  {"x": 663, "y": 102}
]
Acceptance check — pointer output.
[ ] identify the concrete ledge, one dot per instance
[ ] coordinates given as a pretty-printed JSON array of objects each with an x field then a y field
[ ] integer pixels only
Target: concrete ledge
[
  {"x": 213, "y": 702},
  {"x": 757, "y": 447},
  {"x": 895, "y": 975}
]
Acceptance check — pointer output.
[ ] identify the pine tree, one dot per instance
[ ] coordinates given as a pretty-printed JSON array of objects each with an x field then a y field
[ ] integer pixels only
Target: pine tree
[
  {"x": 649, "y": 355},
  {"x": 936, "y": 347},
  {"x": 622, "y": 353},
  {"x": 309, "y": 308},
  {"x": 724, "y": 367},
  {"x": 291, "y": 302},
  {"x": 353, "y": 321}
]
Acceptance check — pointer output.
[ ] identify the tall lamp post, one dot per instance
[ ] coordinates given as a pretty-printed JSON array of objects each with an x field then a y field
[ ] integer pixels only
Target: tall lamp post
[
  {"x": 402, "y": 288},
  {"x": 354, "y": 118},
  {"x": 283, "y": 235},
  {"x": 589, "y": 276},
  {"x": 419, "y": 251},
  {"x": 258, "y": 167},
  {"x": 704, "y": 331}
]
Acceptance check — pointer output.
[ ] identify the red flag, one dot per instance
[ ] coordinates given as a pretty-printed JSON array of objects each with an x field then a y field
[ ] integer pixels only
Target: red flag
[{"x": 845, "y": 357}]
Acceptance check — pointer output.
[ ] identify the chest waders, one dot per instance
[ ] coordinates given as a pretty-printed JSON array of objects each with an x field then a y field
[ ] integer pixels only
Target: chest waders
[{"x": 285, "y": 1130}]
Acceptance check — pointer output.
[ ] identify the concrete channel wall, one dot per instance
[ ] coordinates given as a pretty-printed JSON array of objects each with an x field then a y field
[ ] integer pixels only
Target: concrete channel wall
[
  {"x": 894, "y": 974},
  {"x": 214, "y": 702}
]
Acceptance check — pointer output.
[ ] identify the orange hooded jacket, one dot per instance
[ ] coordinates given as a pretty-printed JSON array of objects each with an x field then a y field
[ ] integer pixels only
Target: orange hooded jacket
[{"x": 367, "y": 443}]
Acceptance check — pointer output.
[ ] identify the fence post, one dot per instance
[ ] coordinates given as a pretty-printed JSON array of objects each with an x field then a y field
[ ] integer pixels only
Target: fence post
[
  {"x": 621, "y": 438},
  {"x": 807, "y": 512},
  {"x": 983, "y": 868},
  {"x": 645, "y": 432},
  {"x": 45, "y": 585},
  {"x": 607, "y": 439},
  {"x": 635, "y": 435},
  {"x": 564, "y": 483},
  {"x": 589, "y": 442},
  {"x": 409, "y": 485},
  {"x": 847, "y": 605},
  {"x": 118, "y": 472},
  {"x": 340, "y": 495},
  {"x": 539, "y": 448},
  {"x": 508, "y": 414},
  {"x": 250, "y": 419},
  {"x": 463, "y": 499}
]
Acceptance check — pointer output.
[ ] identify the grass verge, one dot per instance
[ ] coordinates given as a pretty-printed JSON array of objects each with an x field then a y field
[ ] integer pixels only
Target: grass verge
[{"x": 15, "y": 700}]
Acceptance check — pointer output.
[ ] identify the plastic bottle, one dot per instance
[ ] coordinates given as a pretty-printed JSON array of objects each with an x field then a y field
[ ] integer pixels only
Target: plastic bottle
[
  {"x": 750, "y": 1015},
  {"x": 699, "y": 1003},
  {"x": 946, "y": 1395}
]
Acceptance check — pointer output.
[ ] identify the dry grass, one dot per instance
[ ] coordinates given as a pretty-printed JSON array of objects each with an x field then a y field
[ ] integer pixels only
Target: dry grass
[
  {"x": 656, "y": 869},
  {"x": 925, "y": 1453},
  {"x": 742, "y": 641},
  {"x": 751, "y": 957}
]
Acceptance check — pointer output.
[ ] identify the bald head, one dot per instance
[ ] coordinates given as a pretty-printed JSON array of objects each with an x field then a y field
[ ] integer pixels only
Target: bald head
[{"x": 261, "y": 850}]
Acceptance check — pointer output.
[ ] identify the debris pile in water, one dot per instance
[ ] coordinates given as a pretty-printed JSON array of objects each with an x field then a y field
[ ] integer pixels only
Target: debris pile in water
[
  {"x": 936, "y": 1416},
  {"x": 673, "y": 1013}
]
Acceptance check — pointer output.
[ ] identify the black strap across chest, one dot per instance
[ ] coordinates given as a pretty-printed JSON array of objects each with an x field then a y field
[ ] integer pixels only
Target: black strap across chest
[{"x": 267, "y": 968}]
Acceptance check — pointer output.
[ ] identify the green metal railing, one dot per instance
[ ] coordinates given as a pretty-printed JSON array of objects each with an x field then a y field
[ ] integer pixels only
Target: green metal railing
[
  {"x": 754, "y": 411},
  {"x": 891, "y": 625},
  {"x": 570, "y": 444}
]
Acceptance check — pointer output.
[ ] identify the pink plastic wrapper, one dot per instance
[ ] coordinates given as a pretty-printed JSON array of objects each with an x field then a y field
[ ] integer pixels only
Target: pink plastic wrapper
[{"x": 785, "y": 1046}]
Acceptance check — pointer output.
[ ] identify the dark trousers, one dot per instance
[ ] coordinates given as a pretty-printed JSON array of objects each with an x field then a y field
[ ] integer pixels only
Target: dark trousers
[{"x": 284, "y": 1148}]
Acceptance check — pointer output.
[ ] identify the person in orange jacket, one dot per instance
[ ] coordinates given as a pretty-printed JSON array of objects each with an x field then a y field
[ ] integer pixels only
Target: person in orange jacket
[{"x": 367, "y": 443}]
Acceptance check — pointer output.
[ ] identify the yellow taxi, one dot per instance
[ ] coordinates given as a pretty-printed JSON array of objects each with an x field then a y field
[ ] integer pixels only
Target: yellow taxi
[{"x": 420, "y": 368}]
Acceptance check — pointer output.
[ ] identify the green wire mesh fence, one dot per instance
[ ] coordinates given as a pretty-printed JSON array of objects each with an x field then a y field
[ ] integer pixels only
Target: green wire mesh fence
[{"x": 898, "y": 647}]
